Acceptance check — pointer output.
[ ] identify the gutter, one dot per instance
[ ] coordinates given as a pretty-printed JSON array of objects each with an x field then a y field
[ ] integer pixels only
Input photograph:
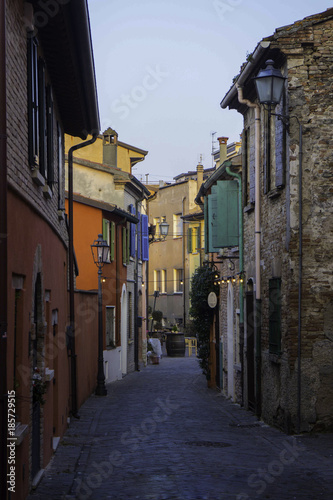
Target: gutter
[
  {"x": 246, "y": 73},
  {"x": 71, "y": 330},
  {"x": 3, "y": 257}
]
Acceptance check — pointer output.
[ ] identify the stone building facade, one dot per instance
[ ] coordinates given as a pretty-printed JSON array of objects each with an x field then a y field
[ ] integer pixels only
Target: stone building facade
[{"x": 289, "y": 293}]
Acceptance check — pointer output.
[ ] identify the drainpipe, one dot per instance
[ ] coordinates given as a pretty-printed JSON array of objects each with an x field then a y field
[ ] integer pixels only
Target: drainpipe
[
  {"x": 241, "y": 270},
  {"x": 300, "y": 278},
  {"x": 71, "y": 331},
  {"x": 184, "y": 254},
  {"x": 3, "y": 257},
  {"x": 257, "y": 245},
  {"x": 136, "y": 291}
]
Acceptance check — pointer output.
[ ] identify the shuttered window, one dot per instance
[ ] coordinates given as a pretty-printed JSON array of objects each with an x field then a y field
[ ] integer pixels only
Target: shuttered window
[
  {"x": 33, "y": 127},
  {"x": 189, "y": 240},
  {"x": 132, "y": 233},
  {"x": 145, "y": 237}
]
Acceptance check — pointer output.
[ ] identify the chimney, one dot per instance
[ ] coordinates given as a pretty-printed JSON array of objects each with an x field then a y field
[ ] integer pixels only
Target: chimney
[
  {"x": 110, "y": 144},
  {"x": 223, "y": 148},
  {"x": 200, "y": 170}
]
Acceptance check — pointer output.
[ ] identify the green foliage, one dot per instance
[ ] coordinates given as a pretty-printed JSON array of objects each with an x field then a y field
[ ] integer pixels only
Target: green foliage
[
  {"x": 202, "y": 315},
  {"x": 157, "y": 317}
]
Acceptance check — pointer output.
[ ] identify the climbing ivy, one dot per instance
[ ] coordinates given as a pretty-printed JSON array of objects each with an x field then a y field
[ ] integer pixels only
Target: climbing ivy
[{"x": 203, "y": 315}]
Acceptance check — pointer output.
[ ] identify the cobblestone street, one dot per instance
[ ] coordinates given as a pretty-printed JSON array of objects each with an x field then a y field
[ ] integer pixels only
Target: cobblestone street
[{"x": 162, "y": 434}]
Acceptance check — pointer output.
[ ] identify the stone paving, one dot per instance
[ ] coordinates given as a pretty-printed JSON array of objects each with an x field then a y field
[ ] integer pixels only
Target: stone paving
[{"x": 161, "y": 434}]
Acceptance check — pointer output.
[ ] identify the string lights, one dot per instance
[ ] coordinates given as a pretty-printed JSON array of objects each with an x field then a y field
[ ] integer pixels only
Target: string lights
[{"x": 225, "y": 280}]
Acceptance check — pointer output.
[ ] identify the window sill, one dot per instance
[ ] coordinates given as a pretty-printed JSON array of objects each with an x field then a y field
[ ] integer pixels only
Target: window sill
[
  {"x": 61, "y": 215},
  {"x": 37, "y": 177},
  {"x": 47, "y": 192},
  {"x": 275, "y": 193},
  {"x": 275, "y": 358},
  {"x": 178, "y": 293},
  {"x": 249, "y": 208}
]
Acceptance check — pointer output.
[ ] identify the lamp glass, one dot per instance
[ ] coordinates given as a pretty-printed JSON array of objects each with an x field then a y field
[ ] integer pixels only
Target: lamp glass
[
  {"x": 269, "y": 84},
  {"x": 100, "y": 250},
  {"x": 164, "y": 228}
]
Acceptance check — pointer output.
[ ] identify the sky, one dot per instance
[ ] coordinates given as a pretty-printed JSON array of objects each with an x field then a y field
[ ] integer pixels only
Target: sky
[{"x": 163, "y": 66}]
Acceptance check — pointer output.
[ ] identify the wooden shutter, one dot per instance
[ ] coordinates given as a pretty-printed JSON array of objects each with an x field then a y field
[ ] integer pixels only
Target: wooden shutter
[
  {"x": 124, "y": 245},
  {"x": 50, "y": 136},
  {"x": 206, "y": 222},
  {"x": 227, "y": 214},
  {"x": 33, "y": 102},
  {"x": 132, "y": 233},
  {"x": 139, "y": 236},
  {"x": 112, "y": 239},
  {"x": 145, "y": 237},
  {"x": 189, "y": 240},
  {"x": 198, "y": 238},
  {"x": 280, "y": 146},
  {"x": 42, "y": 117}
]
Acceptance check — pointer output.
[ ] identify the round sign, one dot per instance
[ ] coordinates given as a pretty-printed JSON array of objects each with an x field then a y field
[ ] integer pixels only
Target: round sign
[{"x": 212, "y": 300}]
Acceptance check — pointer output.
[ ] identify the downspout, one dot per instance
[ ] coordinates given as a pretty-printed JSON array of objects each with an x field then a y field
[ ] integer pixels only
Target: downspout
[
  {"x": 184, "y": 255},
  {"x": 257, "y": 245},
  {"x": 136, "y": 291},
  {"x": 71, "y": 331},
  {"x": 3, "y": 257},
  {"x": 241, "y": 271},
  {"x": 300, "y": 279}
]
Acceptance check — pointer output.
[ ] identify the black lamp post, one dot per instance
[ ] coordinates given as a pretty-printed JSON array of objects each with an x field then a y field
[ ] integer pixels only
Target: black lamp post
[
  {"x": 269, "y": 84},
  {"x": 101, "y": 253}
]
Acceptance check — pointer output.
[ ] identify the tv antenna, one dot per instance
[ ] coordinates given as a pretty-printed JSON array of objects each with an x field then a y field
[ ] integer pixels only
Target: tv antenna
[{"x": 213, "y": 134}]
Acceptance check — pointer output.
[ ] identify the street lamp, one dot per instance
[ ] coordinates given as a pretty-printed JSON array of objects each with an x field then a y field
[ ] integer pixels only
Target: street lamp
[
  {"x": 269, "y": 84},
  {"x": 101, "y": 254},
  {"x": 163, "y": 230}
]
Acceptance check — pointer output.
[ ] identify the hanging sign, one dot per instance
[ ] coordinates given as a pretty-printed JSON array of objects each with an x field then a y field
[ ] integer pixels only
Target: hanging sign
[{"x": 212, "y": 300}]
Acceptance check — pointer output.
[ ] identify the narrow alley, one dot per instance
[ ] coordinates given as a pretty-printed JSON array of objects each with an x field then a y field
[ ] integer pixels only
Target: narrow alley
[{"x": 162, "y": 434}]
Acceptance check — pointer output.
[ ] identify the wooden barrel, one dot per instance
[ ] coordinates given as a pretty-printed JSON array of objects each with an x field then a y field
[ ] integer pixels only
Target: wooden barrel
[{"x": 175, "y": 345}]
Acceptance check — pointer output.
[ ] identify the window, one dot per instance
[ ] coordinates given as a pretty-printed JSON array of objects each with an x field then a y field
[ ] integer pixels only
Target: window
[
  {"x": 33, "y": 103},
  {"x": 110, "y": 330},
  {"x": 275, "y": 315},
  {"x": 189, "y": 240},
  {"x": 132, "y": 233},
  {"x": 144, "y": 237},
  {"x": 275, "y": 137},
  {"x": 40, "y": 119},
  {"x": 126, "y": 245},
  {"x": 163, "y": 281},
  {"x": 177, "y": 226},
  {"x": 178, "y": 280},
  {"x": 109, "y": 230},
  {"x": 61, "y": 191},
  {"x": 193, "y": 239},
  {"x": 160, "y": 280},
  {"x": 157, "y": 281}
]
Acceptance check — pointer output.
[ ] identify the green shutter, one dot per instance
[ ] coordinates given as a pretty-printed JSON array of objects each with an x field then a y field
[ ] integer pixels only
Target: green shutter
[
  {"x": 112, "y": 240},
  {"x": 198, "y": 238},
  {"x": 206, "y": 232},
  {"x": 106, "y": 230},
  {"x": 227, "y": 214},
  {"x": 189, "y": 240}
]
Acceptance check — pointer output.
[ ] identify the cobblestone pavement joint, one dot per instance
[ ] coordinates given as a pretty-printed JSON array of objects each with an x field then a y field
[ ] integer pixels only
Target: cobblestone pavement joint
[{"x": 161, "y": 434}]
